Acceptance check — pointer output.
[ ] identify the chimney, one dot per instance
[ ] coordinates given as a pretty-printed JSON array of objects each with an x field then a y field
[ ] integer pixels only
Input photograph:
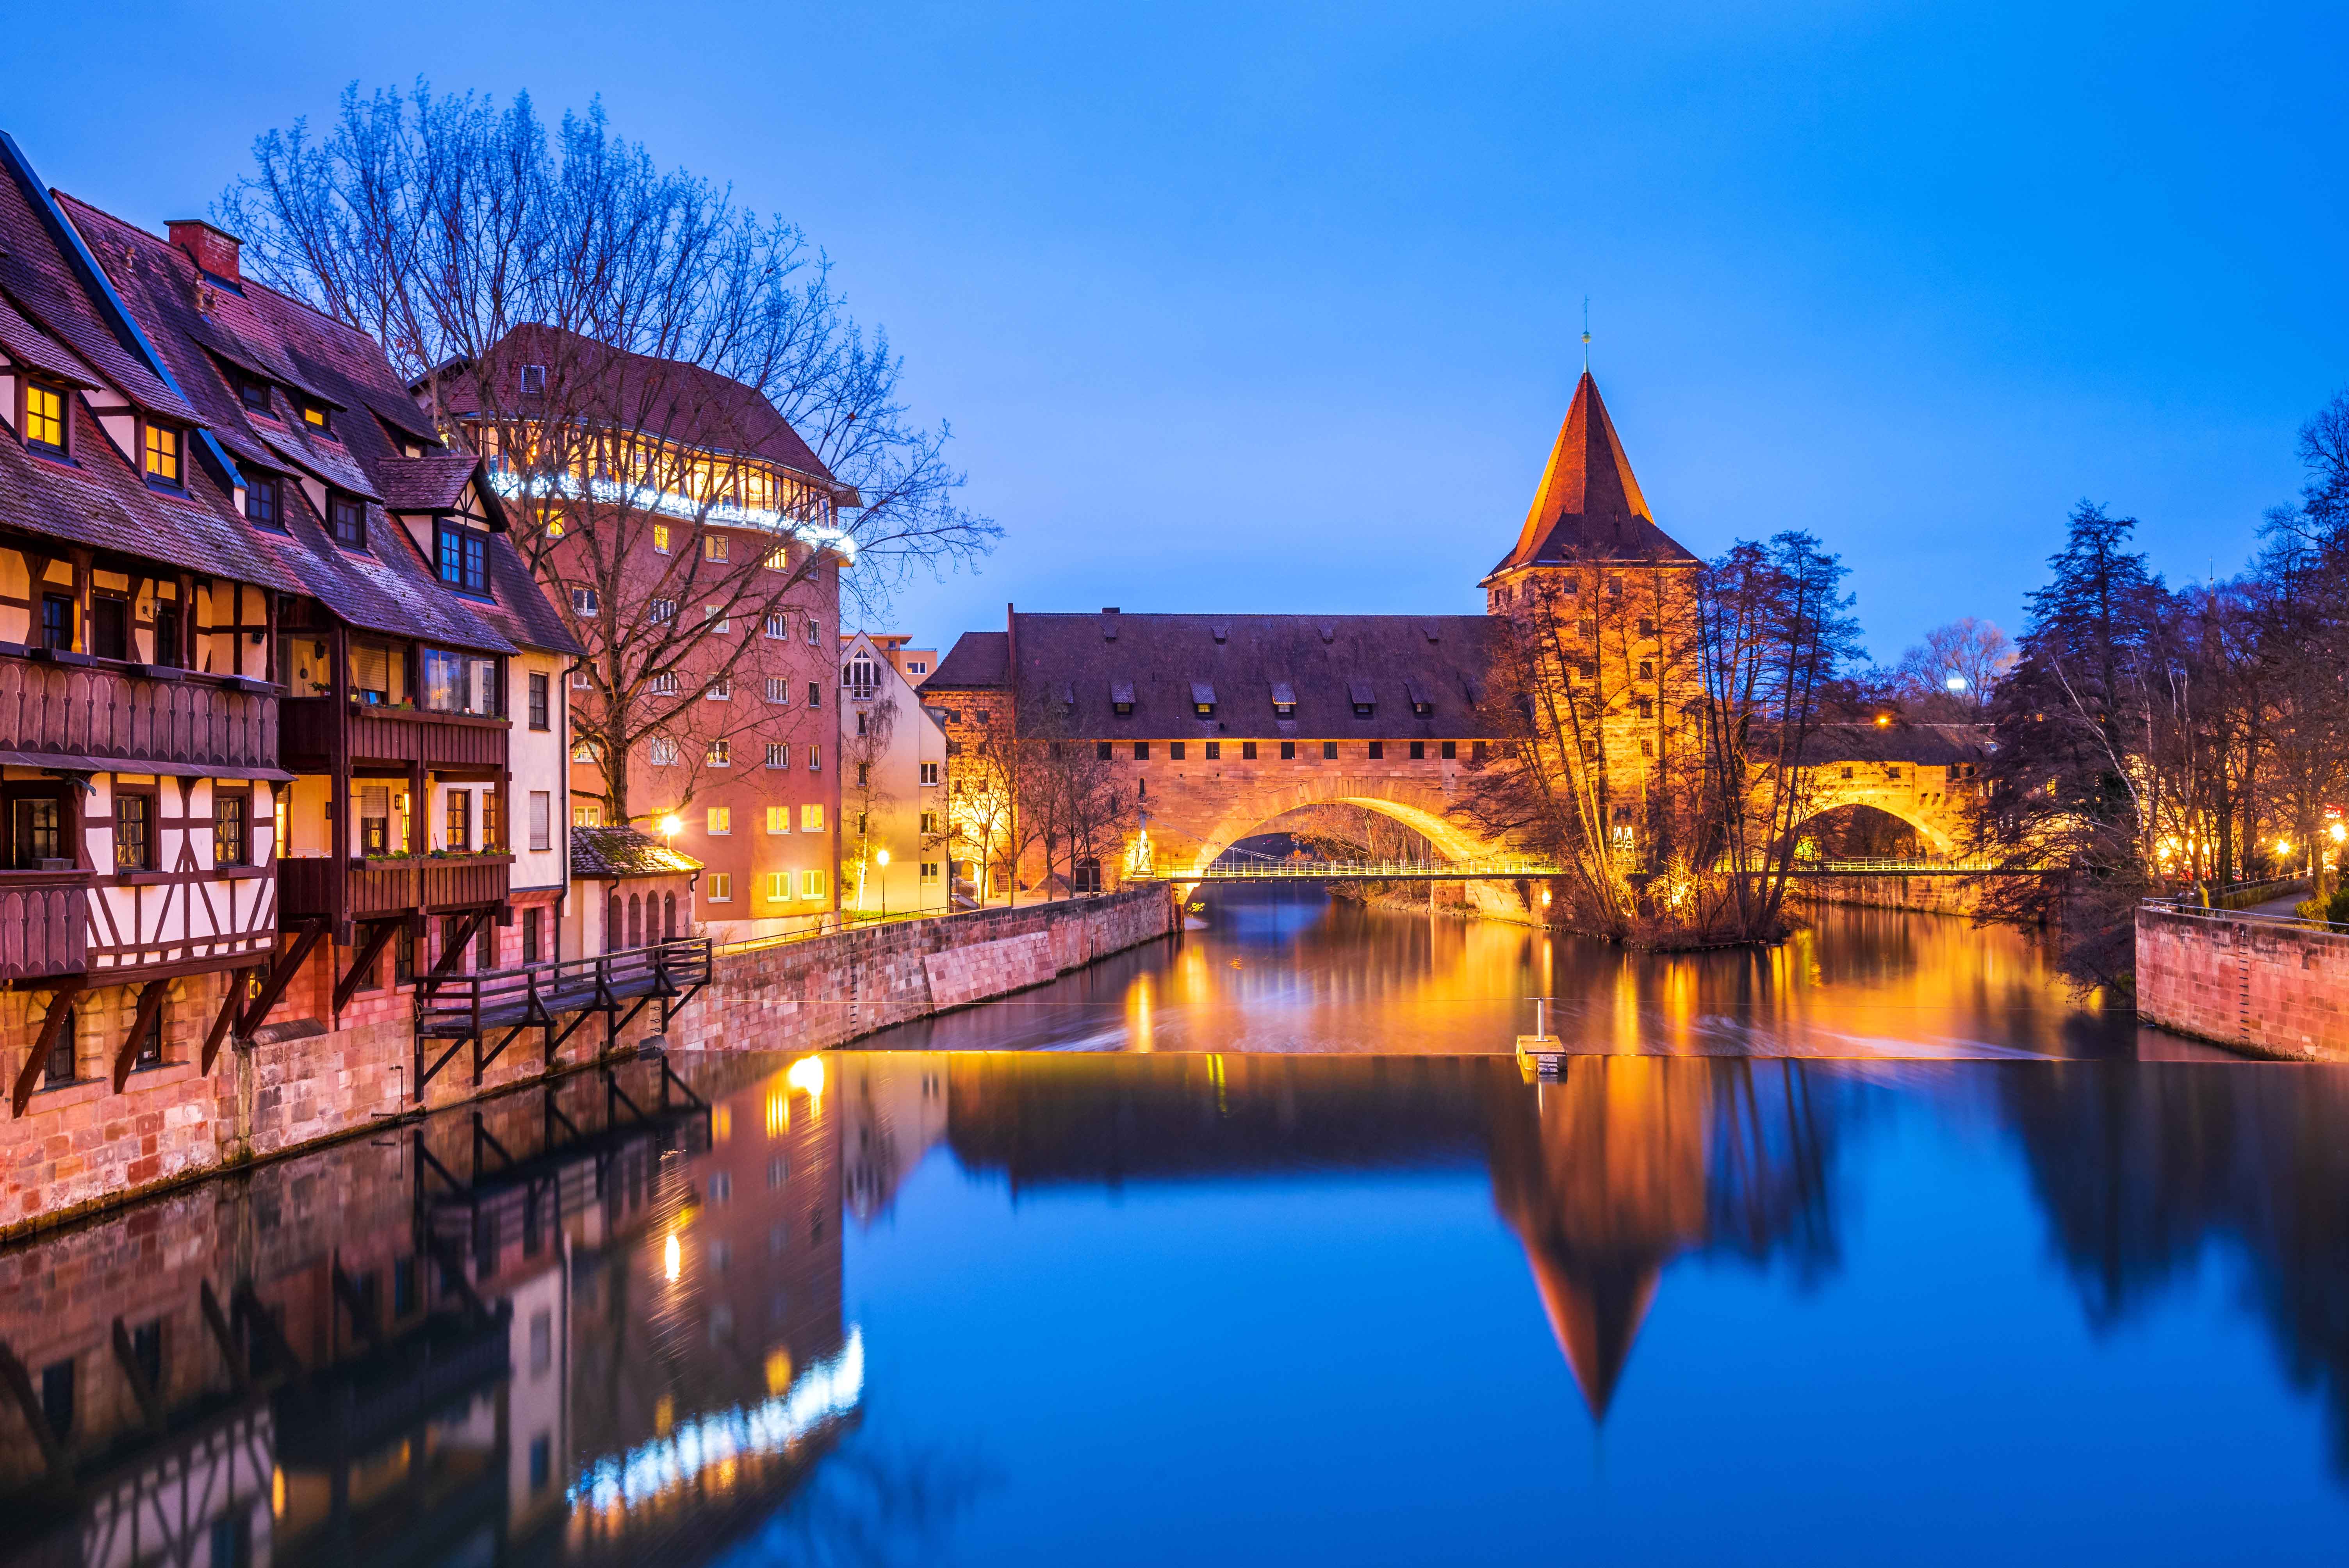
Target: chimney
[{"x": 212, "y": 250}]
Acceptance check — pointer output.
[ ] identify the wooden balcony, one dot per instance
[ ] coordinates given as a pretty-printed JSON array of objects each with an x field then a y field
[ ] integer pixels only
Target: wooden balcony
[
  {"x": 44, "y": 924},
  {"x": 392, "y": 735},
  {"x": 69, "y": 710},
  {"x": 435, "y": 885}
]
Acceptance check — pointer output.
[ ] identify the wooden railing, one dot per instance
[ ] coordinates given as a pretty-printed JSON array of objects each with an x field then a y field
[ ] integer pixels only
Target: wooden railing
[
  {"x": 305, "y": 886},
  {"x": 70, "y": 706},
  {"x": 396, "y": 734},
  {"x": 44, "y": 924}
]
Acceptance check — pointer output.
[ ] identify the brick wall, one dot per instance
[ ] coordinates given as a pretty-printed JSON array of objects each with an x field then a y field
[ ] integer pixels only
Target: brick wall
[
  {"x": 2261, "y": 987},
  {"x": 83, "y": 1148}
]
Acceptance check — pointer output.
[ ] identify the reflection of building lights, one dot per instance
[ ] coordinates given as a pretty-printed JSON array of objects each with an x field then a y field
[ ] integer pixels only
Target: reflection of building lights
[
  {"x": 778, "y": 1115},
  {"x": 779, "y": 1370},
  {"x": 672, "y": 1258},
  {"x": 824, "y": 1392},
  {"x": 807, "y": 1076},
  {"x": 664, "y": 1414},
  {"x": 721, "y": 1124},
  {"x": 276, "y": 1492}
]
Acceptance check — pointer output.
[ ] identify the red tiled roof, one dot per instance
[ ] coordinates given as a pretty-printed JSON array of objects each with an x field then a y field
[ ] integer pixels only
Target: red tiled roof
[
  {"x": 196, "y": 323},
  {"x": 607, "y": 854},
  {"x": 432, "y": 483},
  {"x": 1589, "y": 507}
]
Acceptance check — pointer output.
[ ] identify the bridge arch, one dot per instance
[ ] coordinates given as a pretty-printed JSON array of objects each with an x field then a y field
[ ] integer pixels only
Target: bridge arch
[
  {"x": 1933, "y": 829},
  {"x": 1423, "y": 809}
]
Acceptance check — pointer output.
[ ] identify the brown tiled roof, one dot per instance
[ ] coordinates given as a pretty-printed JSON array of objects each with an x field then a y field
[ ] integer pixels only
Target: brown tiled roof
[
  {"x": 1589, "y": 507},
  {"x": 681, "y": 401},
  {"x": 435, "y": 482},
  {"x": 976, "y": 663},
  {"x": 1923, "y": 744},
  {"x": 605, "y": 854},
  {"x": 1319, "y": 662},
  {"x": 389, "y": 587}
]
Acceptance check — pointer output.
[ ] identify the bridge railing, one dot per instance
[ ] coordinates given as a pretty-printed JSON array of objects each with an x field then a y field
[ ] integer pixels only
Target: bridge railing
[
  {"x": 2243, "y": 917},
  {"x": 1352, "y": 871}
]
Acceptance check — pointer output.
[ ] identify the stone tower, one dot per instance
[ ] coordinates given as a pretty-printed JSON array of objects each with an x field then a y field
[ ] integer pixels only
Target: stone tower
[{"x": 1605, "y": 600}]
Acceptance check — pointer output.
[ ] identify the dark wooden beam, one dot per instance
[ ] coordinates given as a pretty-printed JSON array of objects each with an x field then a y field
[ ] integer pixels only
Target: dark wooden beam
[
  {"x": 19, "y": 1383},
  {"x": 363, "y": 1316},
  {"x": 281, "y": 974},
  {"x": 150, "y": 1001},
  {"x": 363, "y": 962},
  {"x": 230, "y": 1005},
  {"x": 60, "y": 1003}
]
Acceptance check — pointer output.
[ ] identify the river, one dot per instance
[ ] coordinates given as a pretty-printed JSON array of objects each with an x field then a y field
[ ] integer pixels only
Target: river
[{"x": 1267, "y": 1258}]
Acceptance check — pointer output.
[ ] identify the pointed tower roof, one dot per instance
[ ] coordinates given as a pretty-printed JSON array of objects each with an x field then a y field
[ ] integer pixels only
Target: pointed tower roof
[
  {"x": 1595, "y": 1306},
  {"x": 1589, "y": 507}
]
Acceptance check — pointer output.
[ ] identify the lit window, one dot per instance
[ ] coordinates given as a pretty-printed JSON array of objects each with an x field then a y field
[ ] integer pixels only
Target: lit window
[
  {"x": 315, "y": 416},
  {"x": 715, "y": 547},
  {"x": 582, "y": 751},
  {"x": 778, "y": 886},
  {"x": 811, "y": 884},
  {"x": 722, "y": 754},
  {"x": 721, "y": 689},
  {"x": 661, "y": 752},
  {"x": 929, "y": 821},
  {"x": 779, "y": 818},
  {"x": 778, "y": 754},
  {"x": 721, "y": 888},
  {"x": 660, "y": 536},
  {"x": 45, "y": 416},
  {"x": 779, "y": 559},
  {"x": 811, "y": 818},
  {"x": 721, "y": 819},
  {"x": 163, "y": 456}
]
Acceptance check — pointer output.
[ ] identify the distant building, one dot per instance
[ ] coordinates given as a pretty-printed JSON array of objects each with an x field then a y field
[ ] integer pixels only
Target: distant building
[
  {"x": 893, "y": 796},
  {"x": 915, "y": 664},
  {"x": 628, "y": 890}
]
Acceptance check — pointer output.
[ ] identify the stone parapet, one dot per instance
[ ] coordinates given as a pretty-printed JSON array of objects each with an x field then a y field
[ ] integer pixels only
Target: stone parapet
[{"x": 2264, "y": 987}]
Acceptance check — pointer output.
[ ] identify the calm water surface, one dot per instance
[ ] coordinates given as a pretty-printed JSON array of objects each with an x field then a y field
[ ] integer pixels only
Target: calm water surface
[{"x": 1110, "y": 1307}]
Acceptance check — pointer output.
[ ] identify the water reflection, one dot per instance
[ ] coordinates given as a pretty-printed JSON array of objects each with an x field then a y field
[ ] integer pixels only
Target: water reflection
[
  {"x": 1302, "y": 973},
  {"x": 606, "y": 1324}
]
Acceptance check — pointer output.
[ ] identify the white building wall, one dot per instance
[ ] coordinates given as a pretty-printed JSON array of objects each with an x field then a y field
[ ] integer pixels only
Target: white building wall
[{"x": 898, "y": 799}]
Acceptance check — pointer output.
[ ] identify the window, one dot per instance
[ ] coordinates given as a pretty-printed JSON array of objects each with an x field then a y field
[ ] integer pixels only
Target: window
[
  {"x": 109, "y": 626},
  {"x": 1647, "y": 670},
  {"x": 1288, "y": 751},
  {"x": 347, "y": 514},
  {"x": 534, "y": 380},
  {"x": 539, "y": 697},
  {"x": 261, "y": 500},
  {"x": 1378, "y": 751},
  {"x": 661, "y": 538},
  {"x": 1451, "y": 750},
  {"x": 779, "y": 559},
  {"x": 661, "y": 752},
  {"x": 1248, "y": 750},
  {"x": 1647, "y": 626},
  {"x": 464, "y": 561},
  {"x": 721, "y": 887},
  {"x": 779, "y": 818},
  {"x": 929, "y": 822},
  {"x": 1214, "y": 750},
  {"x": 720, "y": 690},
  {"x": 811, "y": 884},
  {"x": 589, "y": 815},
  {"x": 1478, "y": 754},
  {"x": 134, "y": 831},
  {"x": 930, "y": 772},
  {"x": 929, "y": 871},
  {"x": 1174, "y": 750},
  {"x": 162, "y": 456},
  {"x": 45, "y": 416},
  {"x": 315, "y": 416},
  {"x": 660, "y": 611},
  {"x": 460, "y": 819},
  {"x": 715, "y": 617},
  {"x": 1614, "y": 587},
  {"x": 1419, "y": 752},
  {"x": 779, "y": 625},
  {"x": 231, "y": 842},
  {"x": 816, "y": 689},
  {"x": 814, "y": 632},
  {"x": 1142, "y": 751},
  {"x": 1647, "y": 707},
  {"x": 811, "y": 818},
  {"x": 721, "y": 753},
  {"x": 721, "y": 819},
  {"x": 1330, "y": 752},
  {"x": 59, "y": 1068},
  {"x": 542, "y": 819},
  {"x": 583, "y": 602},
  {"x": 778, "y": 754},
  {"x": 715, "y": 547},
  {"x": 1101, "y": 751},
  {"x": 815, "y": 759},
  {"x": 583, "y": 750},
  {"x": 663, "y": 684},
  {"x": 778, "y": 886}
]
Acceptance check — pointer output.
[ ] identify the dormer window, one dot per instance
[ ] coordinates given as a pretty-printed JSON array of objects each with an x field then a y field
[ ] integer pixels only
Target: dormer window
[
  {"x": 163, "y": 446},
  {"x": 45, "y": 417},
  {"x": 315, "y": 416},
  {"x": 261, "y": 501},
  {"x": 1365, "y": 700},
  {"x": 254, "y": 395},
  {"x": 534, "y": 380},
  {"x": 1121, "y": 698},
  {"x": 1284, "y": 700},
  {"x": 1203, "y": 699},
  {"x": 463, "y": 558},
  {"x": 347, "y": 515}
]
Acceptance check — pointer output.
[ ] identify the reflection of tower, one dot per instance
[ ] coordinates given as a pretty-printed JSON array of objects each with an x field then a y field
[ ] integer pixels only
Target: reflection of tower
[
  {"x": 893, "y": 1108},
  {"x": 1604, "y": 1183}
]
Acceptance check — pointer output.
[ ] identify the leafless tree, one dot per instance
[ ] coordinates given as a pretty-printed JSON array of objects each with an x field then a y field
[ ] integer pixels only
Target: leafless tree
[
  {"x": 1951, "y": 675},
  {"x": 645, "y": 361}
]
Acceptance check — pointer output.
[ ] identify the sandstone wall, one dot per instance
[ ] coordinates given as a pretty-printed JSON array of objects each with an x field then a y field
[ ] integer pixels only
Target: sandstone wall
[
  {"x": 2261, "y": 987},
  {"x": 1933, "y": 895}
]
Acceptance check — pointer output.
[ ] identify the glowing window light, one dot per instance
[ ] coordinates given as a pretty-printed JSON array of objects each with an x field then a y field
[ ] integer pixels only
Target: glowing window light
[
  {"x": 779, "y": 1370},
  {"x": 672, "y": 1258},
  {"x": 778, "y": 1115},
  {"x": 652, "y": 498}
]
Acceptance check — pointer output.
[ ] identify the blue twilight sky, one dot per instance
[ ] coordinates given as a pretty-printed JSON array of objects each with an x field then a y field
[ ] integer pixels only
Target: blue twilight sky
[{"x": 1274, "y": 307}]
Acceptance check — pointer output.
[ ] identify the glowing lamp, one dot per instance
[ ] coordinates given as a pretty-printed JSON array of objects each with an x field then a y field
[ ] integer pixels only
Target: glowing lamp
[
  {"x": 670, "y": 825},
  {"x": 882, "y": 855},
  {"x": 2339, "y": 832},
  {"x": 1883, "y": 719},
  {"x": 1955, "y": 683}
]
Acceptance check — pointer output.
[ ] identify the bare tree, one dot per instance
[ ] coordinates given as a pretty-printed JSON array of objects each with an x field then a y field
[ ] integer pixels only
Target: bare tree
[
  {"x": 646, "y": 363},
  {"x": 1951, "y": 675}
]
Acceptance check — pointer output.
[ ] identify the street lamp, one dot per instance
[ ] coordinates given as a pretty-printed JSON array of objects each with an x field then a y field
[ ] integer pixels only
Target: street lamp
[{"x": 882, "y": 856}]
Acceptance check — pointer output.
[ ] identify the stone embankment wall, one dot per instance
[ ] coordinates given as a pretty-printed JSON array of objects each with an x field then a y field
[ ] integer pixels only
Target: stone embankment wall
[
  {"x": 2261, "y": 987},
  {"x": 1933, "y": 895},
  {"x": 84, "y": 1148}
]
